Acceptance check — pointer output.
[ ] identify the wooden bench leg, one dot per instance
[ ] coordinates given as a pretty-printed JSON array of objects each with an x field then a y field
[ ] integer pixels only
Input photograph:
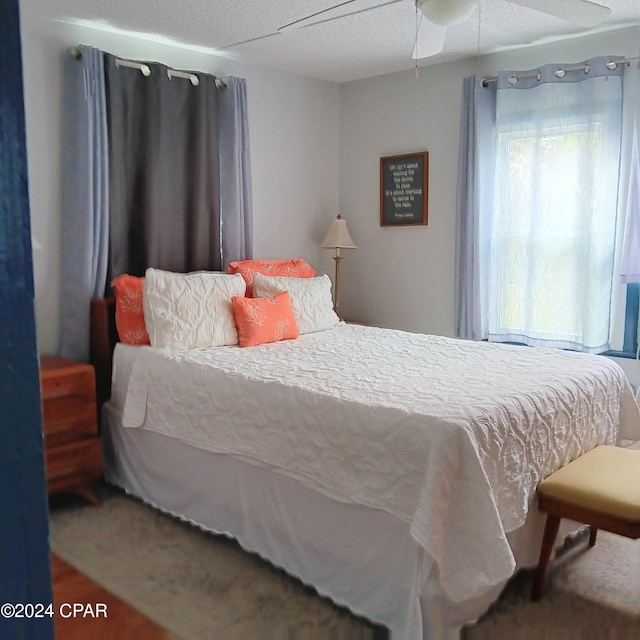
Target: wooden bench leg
[
  {"x": 593, "y": 532},
  {"x": 550, "y": 533}
]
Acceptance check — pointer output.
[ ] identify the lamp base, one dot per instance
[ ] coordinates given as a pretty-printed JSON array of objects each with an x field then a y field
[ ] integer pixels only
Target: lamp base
[{"x": 336, "y": 286}]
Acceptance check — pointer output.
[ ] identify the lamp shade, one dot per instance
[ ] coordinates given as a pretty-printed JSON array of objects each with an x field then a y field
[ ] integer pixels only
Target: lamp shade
[
  {"x": 338, "y": 236},
  {"x": 447, "y": 12}
]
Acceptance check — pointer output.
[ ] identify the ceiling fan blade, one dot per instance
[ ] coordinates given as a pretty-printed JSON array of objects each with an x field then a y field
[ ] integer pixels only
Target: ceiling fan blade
[
  {"x": 429, "y": 40},
  {"x": 582, "y": 12},
  {"x": 332, "y": 13}
]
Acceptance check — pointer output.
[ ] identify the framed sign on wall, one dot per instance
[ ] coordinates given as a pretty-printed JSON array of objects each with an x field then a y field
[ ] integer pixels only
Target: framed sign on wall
[{"x": 404, "y": 189}]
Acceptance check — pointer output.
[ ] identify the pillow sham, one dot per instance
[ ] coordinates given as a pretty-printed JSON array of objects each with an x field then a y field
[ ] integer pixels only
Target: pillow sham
[
  {"x": 261, "y": 320},
  {"x": 310, "y": 299},
  {"x": 130, "y": 322},
  {"x": 190, "y": 311},
  {"x": 295, "y": 268}
]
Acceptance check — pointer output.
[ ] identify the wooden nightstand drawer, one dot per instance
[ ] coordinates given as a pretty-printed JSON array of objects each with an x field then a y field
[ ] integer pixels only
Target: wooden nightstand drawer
[
  {"x": 68, "y": 418},
  {"x": 72, "y": 382},
  {"x": 74, "y": 464}
]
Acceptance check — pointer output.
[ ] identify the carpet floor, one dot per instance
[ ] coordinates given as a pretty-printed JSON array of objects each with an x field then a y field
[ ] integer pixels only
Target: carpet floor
[{"x": 202, "y": 587}]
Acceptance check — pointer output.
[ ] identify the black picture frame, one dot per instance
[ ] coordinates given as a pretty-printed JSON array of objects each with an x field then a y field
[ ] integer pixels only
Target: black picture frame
[{"x": 404, "y": 190}]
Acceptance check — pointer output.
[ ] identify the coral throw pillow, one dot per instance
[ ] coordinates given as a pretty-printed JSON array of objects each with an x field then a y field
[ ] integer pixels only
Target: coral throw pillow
[
  {"x": 296, "y": 268},
  {"x": 261, "y": 320},
  {"x": 129, "y": 310}
]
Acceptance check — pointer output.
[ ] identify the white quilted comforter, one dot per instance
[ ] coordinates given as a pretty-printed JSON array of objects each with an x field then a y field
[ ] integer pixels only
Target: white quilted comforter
[{"x": 451, "y": 436}]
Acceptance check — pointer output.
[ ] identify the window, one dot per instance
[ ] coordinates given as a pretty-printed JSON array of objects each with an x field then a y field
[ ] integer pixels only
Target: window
[{"x": 553, "y": 237}]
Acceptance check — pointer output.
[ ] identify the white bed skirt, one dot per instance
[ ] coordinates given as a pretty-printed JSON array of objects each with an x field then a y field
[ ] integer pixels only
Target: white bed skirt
[{"x": 361, "y": 558}]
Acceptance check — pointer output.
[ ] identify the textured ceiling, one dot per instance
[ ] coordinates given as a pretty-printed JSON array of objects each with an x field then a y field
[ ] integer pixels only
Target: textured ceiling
[{"x": 356, "y": 46}]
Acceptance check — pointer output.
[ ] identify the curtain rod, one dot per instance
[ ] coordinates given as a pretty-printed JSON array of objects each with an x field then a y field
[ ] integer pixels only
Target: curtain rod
[
  {"x": 76, "y": 53},
  {"x": 561, "y": 71}
]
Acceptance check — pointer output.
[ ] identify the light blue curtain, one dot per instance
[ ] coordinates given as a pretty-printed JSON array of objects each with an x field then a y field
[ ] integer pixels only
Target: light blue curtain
[
  {"x": 85, "y": 218},
  {"x": 475, "y": 194},
  {"x": 630, "y": 267},
  {"x": 236, "y": 208},
  {"x": 544, "y": 225}
]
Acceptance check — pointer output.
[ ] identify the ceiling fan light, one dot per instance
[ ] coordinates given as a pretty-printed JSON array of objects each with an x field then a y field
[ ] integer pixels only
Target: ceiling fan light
[{"x": 447, "y": 12}]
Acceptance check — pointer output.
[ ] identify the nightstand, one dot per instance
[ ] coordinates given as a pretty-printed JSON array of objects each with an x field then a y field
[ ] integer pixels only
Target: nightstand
[{"x": 72, "y": 444}]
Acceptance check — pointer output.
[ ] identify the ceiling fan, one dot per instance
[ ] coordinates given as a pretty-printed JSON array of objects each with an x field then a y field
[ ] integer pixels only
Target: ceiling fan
[{"x": 434, "y": 16}]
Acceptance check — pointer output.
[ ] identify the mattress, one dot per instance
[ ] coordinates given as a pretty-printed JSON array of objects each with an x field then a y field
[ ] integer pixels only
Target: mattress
[{"x": 442, "y": 434}]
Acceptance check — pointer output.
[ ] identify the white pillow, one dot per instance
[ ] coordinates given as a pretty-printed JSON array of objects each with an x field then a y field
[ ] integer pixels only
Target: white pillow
[
  {"x": 189, "y": 311},
  {"x": 310, "y": 299}
]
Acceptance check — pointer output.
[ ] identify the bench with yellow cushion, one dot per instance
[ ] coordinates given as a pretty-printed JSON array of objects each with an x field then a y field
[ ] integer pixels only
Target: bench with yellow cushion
[{"x": 601, "y": 489}]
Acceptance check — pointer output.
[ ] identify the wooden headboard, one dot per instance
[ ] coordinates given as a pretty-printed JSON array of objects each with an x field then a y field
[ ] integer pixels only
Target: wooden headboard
[{"x": 103, "y": 340}]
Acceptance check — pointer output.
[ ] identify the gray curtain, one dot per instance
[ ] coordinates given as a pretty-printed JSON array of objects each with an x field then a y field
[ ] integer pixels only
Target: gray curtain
[
  {"x": 164, "y": 171},
  {"x": 235, "y": 173},
  {"x": 475, "y": 187},
  {"x": 85, "y": 218}
]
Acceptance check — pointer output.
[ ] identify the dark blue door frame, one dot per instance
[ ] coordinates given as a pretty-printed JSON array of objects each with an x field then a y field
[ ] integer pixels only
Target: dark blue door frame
[{"x": 25, "y": 573}]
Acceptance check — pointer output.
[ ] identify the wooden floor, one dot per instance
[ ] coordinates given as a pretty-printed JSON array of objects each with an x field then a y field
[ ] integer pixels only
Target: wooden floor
[{"x": 121, "y": 623}]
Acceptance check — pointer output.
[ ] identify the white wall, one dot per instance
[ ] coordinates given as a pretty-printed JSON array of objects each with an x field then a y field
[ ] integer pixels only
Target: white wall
[
  {"x": 294, "y": 138},
  {"x": 400, "y": 277},
  {"x": 404, "y": 277}
]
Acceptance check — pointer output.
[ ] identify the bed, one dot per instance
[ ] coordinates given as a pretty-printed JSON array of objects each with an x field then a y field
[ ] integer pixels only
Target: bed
[{"x": 394, "y": 472}]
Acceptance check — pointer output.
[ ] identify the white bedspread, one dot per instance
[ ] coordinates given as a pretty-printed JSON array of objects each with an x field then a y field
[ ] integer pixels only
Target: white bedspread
[{"x": 452, "y": 436}]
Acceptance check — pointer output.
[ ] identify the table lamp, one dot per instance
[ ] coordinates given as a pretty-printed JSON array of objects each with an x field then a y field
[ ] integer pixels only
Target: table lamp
[{"x": 337, "y": 238}]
